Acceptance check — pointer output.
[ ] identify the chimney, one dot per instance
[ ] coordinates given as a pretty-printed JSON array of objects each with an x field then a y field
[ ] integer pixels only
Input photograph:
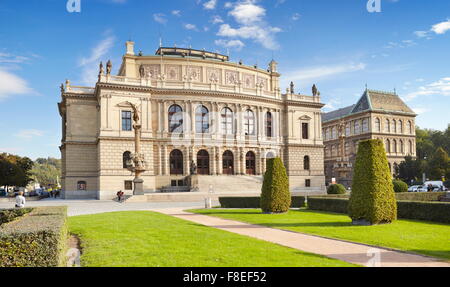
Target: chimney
[{"x": 130, "y": 48}]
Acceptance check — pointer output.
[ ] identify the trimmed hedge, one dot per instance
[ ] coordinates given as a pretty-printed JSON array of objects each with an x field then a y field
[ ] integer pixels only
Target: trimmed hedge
[
  {"x": 275, "y": 194},
  {"x": 255, "y": 202},
  {"x": 417, "y": 210},
  {"x": 372, "y": 198},
  {"x": 36, "y": 240},
  {"x": 430, "y": 211},
  {"x": 420, "y": 196},
  {"x": 400, "y": 186},
  {"x": 9, "y": 215},
  {"x": 336, "y": 189}
]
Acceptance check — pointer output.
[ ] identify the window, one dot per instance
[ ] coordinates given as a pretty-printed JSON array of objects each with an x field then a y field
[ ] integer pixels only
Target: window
[
  {"x": 394, "y": 126},
  {"x": 176, "y": 162},
  {"x": 249, "y": 123},
  {"x": 126, "y": 159},
  {"x": 227, "y": 121},
  {"x": 305, "y": 131},
  {"x": 411, "y": 149},
  {"x": 329, "y": 134},
  {"x": 333, "y": 133},
  {"x": 128, "y": 185},
  {"x": 409, "y": 128},
  {"x": 387, "y": 126},
  {"x": 365, "y": 125},
  {"x": 400, "y": 127},
  {"x": 306, "y": 163},
  {"x": 347, "y": 149},
  {"x": 126, "y": 121},
  {"x": 347, "y": 129},
  {"x": 269, "y": 124},
  {"x": 250, "y": 163},
  {"x": 202, "y": 120},
  {"x": 394, "y": 149},
  {"x": 175, "y": 119},
  {"x": 388, "y": 146},
  {"x": 307, "y": 183},
  {"x": 81, "y": 185},
  {"x": 228, "y": 163},
  {"x": 203, "y": 162},
  {"x": 377, "y": 125},
  {"x": 402, "y": 147},
  {"x": 356, "y": 127}
]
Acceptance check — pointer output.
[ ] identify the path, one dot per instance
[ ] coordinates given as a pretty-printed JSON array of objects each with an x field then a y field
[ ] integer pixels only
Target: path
[{"x": 350, "y": 252}]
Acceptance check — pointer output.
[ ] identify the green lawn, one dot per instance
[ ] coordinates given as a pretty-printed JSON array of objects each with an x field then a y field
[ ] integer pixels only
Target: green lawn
[
  {"x": 152, "y": 239},
  {"x": 421, "y": 237}
]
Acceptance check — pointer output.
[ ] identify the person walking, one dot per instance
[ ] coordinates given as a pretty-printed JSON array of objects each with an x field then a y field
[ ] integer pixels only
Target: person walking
[{"x": 20, "y": 200}]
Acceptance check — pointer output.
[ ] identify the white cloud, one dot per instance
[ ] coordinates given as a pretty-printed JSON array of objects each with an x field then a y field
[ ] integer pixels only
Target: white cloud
[
  {"x": 420, "y": 111},
  {"x": 216, "y": 19},
  {"x": 11, "y": 84},
  {"x": 421, "y": 34},
  {"x": 176, "y": 13},
  {"x": 247, "y": 13},
  {"x": 437, "y": 88},
  {"x": 262, "y": 35},
  {"x": 314, "y": 73},
  {"x": 236, "y": 44},
  {"x": 160, "y": 18},
  {"x": 441, "y": 28},
  {"x": 12, "y": 59},
  {"x": 190, "y": 27},
  {"x": 90, "y": 64},
  {"x": 29, "y": 134},
  {"x": 210, "y": 5}
]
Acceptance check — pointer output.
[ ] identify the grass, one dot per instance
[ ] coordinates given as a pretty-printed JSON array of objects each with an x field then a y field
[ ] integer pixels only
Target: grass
[
  {"x": 427, "y": 238},
  {"x": 136, "y": 239}
]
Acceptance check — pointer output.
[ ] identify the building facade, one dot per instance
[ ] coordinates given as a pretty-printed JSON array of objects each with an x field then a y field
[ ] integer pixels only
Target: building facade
[
  {"x": 377, "y": 115},
  {"x": 196, "y": 108}
]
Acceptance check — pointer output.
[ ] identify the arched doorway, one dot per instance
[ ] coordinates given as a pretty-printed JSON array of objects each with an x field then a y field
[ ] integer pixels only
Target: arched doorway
[
  {"x": 250, "y": 163},
  {"x": 203, "y": 162},
  {"x": 176, "y": 162},
  {"x": 228, "y": 163}
]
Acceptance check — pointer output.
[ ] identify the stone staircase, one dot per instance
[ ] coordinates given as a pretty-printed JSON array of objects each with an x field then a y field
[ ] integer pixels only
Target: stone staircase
[{"x": 227, "y": 184}]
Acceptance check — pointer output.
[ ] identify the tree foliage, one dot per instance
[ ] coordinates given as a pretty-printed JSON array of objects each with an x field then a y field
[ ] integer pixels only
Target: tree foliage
[
  {"x": 15, "y": 170},
  {"x": 275, "y": 196}
]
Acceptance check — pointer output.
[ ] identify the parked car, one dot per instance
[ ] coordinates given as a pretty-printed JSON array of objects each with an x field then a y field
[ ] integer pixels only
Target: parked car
[
  {"x": 413, "y": 188},
  {"x": 2, "y": 192}
]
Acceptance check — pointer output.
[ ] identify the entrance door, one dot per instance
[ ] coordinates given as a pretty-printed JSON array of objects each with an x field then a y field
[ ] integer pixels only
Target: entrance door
[
  {"x": 228, "y": 163},
  {"x": 250, "y": 163},
  {"x": 203, "y": 162}
]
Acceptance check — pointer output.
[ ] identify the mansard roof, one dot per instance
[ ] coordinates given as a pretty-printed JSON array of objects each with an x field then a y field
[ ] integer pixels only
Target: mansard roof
[{"x": 371, "y": 100}]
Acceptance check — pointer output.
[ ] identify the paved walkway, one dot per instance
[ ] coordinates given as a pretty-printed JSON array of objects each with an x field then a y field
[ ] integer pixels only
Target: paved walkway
[{"x": 350, "y": 252}]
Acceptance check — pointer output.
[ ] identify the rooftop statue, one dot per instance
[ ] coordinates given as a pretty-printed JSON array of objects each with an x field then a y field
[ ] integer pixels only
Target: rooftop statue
[{"x": 108, "y": 67}]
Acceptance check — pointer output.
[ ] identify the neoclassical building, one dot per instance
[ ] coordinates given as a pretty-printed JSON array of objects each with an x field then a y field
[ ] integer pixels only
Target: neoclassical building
[
  {"x": 377, "y": 115},
  {"x": 195, "y": 107}
]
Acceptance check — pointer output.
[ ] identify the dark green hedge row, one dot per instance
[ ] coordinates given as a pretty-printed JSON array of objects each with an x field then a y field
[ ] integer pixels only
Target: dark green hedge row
[
  {"x": 420, "y": 210},
  {"x": 254, "y": 202},
  {"x": 9, "y": 215},
  {"x": 36, "y": 240}
]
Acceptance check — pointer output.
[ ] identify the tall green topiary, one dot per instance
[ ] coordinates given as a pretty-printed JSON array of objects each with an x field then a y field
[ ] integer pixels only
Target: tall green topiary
[
  {"x": 275, "y": 196},
  {"x": 372, "y": 198}
]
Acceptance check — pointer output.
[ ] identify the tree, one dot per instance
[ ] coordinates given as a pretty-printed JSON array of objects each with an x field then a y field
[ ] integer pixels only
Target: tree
[
  {"x": 439, "y": 164},
  {"x": 372, "y": 199},
  {"x": 410, "y": 169},
  {"x": 275, "y": 196},
  {"x": 45, "y": 174},
  {"x": 15, "y": 170}
]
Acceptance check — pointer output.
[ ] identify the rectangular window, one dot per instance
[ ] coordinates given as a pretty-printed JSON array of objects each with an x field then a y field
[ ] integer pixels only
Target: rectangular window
[
  {"x": 173, "y": 183},
  {"x": 180, "y": 183},
  {"x": 305, "y": 131},
  {"x": 128, "y": 185},
  {"x": 126, "y": 121},
  {"x": 308, "y": 183}
]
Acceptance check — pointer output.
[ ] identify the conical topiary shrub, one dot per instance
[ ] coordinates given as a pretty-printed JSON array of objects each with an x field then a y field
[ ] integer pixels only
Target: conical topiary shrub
[
  {"x": 275, "y": 196},
  {"x": 372, "y": 200}
]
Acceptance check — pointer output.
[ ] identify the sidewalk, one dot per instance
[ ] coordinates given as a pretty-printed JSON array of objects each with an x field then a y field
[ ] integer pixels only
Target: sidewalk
[{"x": 350, "y": 252}]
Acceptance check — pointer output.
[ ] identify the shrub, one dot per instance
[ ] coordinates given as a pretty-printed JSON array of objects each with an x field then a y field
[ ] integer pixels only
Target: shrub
[
  {"x": 336, "y": 189},
  {"x": 275, "y": 196},
  {"x": 430, "y": 211},
  {"x": 338, "y": 205},
  {"x": 400, "y": 186},
  {"x": 420, "y": 196},
  {"x": 372, "y": 198},
  {"x": 36, "y": 240},
  {"x": 9, "y": 215},
  {"x": 255, "y": 202}
]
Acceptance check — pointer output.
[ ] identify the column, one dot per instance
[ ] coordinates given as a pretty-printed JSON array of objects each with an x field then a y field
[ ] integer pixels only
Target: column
[
  {"x": 149, "y": 116},
  {"x": 187, "y": 161},
  {"x": 159, "y": 103},
  {"x": 219, "y": 161},
  {"x": 165, "y": 121},
  {"x": 192, "y": 120},
  {"x": 166, "y": 165},
  {"x": 160, "y": 151}
]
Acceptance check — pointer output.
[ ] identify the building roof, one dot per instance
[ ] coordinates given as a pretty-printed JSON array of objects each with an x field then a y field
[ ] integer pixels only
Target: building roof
[
  {"x": 371, "y": 100},
  {"x": 183, "y": 52}
]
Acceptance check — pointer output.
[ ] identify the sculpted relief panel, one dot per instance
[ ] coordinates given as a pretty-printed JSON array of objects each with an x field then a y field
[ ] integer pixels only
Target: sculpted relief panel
[
  {"x": 231, "y": 78},
  {"x": 173, "y": 72},
  {"x": 150, "y": 71},
  {"x": 263, "y": 83},
  {"x": 194, "y": 74},
  {"x": 213, "y": 75},
  {"x": 248, "y": 81}
]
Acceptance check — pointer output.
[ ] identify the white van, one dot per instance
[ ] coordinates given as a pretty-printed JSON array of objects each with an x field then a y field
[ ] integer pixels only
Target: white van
[{"x": 437, "y": 186}]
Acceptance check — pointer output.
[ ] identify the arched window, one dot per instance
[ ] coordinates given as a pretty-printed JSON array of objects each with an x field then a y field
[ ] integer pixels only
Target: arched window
[
  {"x": 347, "y": 129},
  {"x": 249, "y": 123},
  {"x": 394, "y": 149},
  {"x": 402, "y": 147},
  {"x": 377, "y": 125},
  {"x": 365, "y": 125},
  {"x": 356, "y": 127},
  {"x": 400, "y": 127},
  {"x": 175, "y": 119},
  {"x": 387, "y": 126},
  {"x": 250, "y": 163},
  {"x": 306, "y": 163},
  {"x": 202, "y": 120},
  {"x": 227, "y": 121},
  {"x": 81, "y": 185},
  {"x": 203, "y": 162},
  {"x": 409, "y": 128},
  {"x": 126, "y": 159},
  {"x": 394, "y": 126},
  {"x": 411, "y": 148},
  {"x": 388, "y": 146},
  {"x": 228, "y": 163},
  {"x": 176, "y": 162},
  {"x": 269, "y": 125}
]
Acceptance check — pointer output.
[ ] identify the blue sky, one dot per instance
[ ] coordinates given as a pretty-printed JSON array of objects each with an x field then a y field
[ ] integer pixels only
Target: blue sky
[{"x": 336, "y": 44}]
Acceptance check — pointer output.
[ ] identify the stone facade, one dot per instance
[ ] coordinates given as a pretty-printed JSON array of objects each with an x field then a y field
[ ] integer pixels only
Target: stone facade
[
  {"x": 225, "y": 117},
  {"x": 377, "y": 115}
]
